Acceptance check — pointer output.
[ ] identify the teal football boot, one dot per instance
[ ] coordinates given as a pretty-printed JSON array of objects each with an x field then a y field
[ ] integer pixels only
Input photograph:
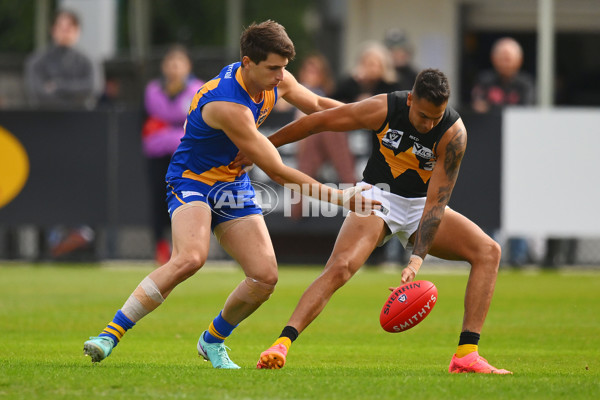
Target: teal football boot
[
  {"x": 216, "y": 353},
  {"x": 98, "y": 347}
]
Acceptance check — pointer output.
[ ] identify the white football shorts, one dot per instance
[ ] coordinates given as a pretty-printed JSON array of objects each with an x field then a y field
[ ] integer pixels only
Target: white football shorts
[{"x": 401, "y": 214}]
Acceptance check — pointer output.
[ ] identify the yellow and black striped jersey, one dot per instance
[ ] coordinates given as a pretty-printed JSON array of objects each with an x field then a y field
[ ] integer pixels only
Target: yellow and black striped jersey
[{"x": 402, "y": 157}]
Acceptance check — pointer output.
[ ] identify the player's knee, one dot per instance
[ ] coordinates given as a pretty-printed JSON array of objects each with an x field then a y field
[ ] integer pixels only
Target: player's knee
[
  {"x": 188, "y": 263},
  {"x": 489, "y": 254},
  {"x": 253, "y": 291},
  {"x": 340, "y": 270},
  {"x": 269, "y": 278},
  {"x": 268, "y": 273}
]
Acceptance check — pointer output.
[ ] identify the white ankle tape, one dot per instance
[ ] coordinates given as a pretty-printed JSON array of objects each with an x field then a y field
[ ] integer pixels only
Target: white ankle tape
[{"x": 144, "y": 299}]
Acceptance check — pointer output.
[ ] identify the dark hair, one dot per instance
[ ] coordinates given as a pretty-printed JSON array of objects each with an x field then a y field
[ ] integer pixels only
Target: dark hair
[
  {"x": 258, "y": 40},
  {"x": 177, "y": 49},
  {"x": 432, "y": 85},
  {"x": 72, "y": 15}
]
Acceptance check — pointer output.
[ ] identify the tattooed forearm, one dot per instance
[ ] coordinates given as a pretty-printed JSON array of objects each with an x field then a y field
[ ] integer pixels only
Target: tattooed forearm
[
  {"x": 427, "y": 230},
  {"x": 440, "y": 193},
  {"x": 443, "y": 195},
  {"x": 455, "y": 150}
]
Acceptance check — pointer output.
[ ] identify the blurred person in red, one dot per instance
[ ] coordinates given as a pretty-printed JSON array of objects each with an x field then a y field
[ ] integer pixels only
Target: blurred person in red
[{"x": 167, "y": 101}]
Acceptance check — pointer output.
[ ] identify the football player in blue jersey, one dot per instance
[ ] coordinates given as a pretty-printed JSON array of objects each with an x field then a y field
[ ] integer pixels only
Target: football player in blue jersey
[{"x": 204, "y": 192}]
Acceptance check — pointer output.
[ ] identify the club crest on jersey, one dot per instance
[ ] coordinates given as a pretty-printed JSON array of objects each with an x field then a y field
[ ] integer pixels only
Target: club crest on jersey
[
  {"x": 263, "y": 115},
  {"x": 392, "y": 139},
  {"x": 402, "y": 298}
]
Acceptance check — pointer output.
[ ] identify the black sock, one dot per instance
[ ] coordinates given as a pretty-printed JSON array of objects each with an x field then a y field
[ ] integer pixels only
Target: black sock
[
  {"x": 289, "y": 332},
  {"x": 468, "y": 337}
]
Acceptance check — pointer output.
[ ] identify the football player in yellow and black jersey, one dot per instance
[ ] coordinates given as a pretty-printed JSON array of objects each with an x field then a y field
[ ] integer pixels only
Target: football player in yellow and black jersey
[
  {"x": 418, "y": 145},
  {"x": 205, "y": 193}
]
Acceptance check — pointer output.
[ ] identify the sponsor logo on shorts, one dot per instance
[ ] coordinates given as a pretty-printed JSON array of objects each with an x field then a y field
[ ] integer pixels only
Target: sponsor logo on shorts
[{"x": 188, "y": 193}]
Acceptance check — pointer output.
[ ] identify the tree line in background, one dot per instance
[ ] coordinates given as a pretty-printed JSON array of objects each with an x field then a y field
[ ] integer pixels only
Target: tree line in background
[{"x": 192, "y": 23}]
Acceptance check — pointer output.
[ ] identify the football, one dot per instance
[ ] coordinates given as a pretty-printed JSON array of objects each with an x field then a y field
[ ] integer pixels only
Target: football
[{"x": 408, "y": 305}]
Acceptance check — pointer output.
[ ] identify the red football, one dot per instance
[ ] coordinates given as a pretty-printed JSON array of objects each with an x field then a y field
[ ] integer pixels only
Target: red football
[{"x": 408, "y": 305}]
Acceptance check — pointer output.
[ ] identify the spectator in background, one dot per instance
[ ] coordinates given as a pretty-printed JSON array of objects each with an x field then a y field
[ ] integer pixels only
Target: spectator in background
[
  {"x": 373, "y": 74},
  {"x": 402, "y": 53},
  {"x": 167, "y": 101},
  {"x": 315, "y": 74},
  {"x": 506, "y": 84},
  {"x": 61, "y": 76}
]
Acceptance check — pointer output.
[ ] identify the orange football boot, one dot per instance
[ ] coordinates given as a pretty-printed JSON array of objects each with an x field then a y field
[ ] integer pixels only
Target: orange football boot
[
  {"x": 273, "y": 357},
  {"x": 473, "y": 362}
]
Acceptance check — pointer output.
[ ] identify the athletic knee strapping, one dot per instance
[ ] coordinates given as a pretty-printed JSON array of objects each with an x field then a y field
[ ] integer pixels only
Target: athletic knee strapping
[
  {"x": 252, "y": 291},
  {"x": 144, "y": 299}
]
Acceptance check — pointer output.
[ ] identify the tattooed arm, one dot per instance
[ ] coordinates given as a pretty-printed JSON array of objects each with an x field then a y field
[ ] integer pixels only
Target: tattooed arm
[{"x": 450, "y": 152}]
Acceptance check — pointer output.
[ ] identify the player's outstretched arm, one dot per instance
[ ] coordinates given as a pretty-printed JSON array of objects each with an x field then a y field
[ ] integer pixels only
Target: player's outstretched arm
[
  {"x": 451, "y": 150},
  {"x": 367, "y": 114},
  {"x": 238, "y": 123}
]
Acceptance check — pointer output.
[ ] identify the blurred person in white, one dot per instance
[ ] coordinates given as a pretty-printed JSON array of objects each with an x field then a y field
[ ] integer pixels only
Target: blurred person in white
[
  {"x": 166, "y": 100},
  {"x": 61, "y": 76}
]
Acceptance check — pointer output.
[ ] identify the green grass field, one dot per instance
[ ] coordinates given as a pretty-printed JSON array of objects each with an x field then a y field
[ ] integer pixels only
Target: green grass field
[{"x": 544, "y": 326}]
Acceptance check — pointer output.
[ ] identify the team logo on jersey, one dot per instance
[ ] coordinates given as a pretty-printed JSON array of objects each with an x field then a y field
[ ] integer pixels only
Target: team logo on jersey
[
  {"x": 392, "y": 139},
  {"x": 263, "y": 115}
]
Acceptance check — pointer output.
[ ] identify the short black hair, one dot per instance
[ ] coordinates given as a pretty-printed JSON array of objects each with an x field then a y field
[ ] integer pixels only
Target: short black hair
[
  {"x": 432, "y": 85},
  {"x": 258, "y": 40}
]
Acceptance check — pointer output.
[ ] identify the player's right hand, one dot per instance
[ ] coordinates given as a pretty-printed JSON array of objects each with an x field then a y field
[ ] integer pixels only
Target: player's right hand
[
  {"x": 243, "y": 162},
  {"x": 408, "y": 275}
]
